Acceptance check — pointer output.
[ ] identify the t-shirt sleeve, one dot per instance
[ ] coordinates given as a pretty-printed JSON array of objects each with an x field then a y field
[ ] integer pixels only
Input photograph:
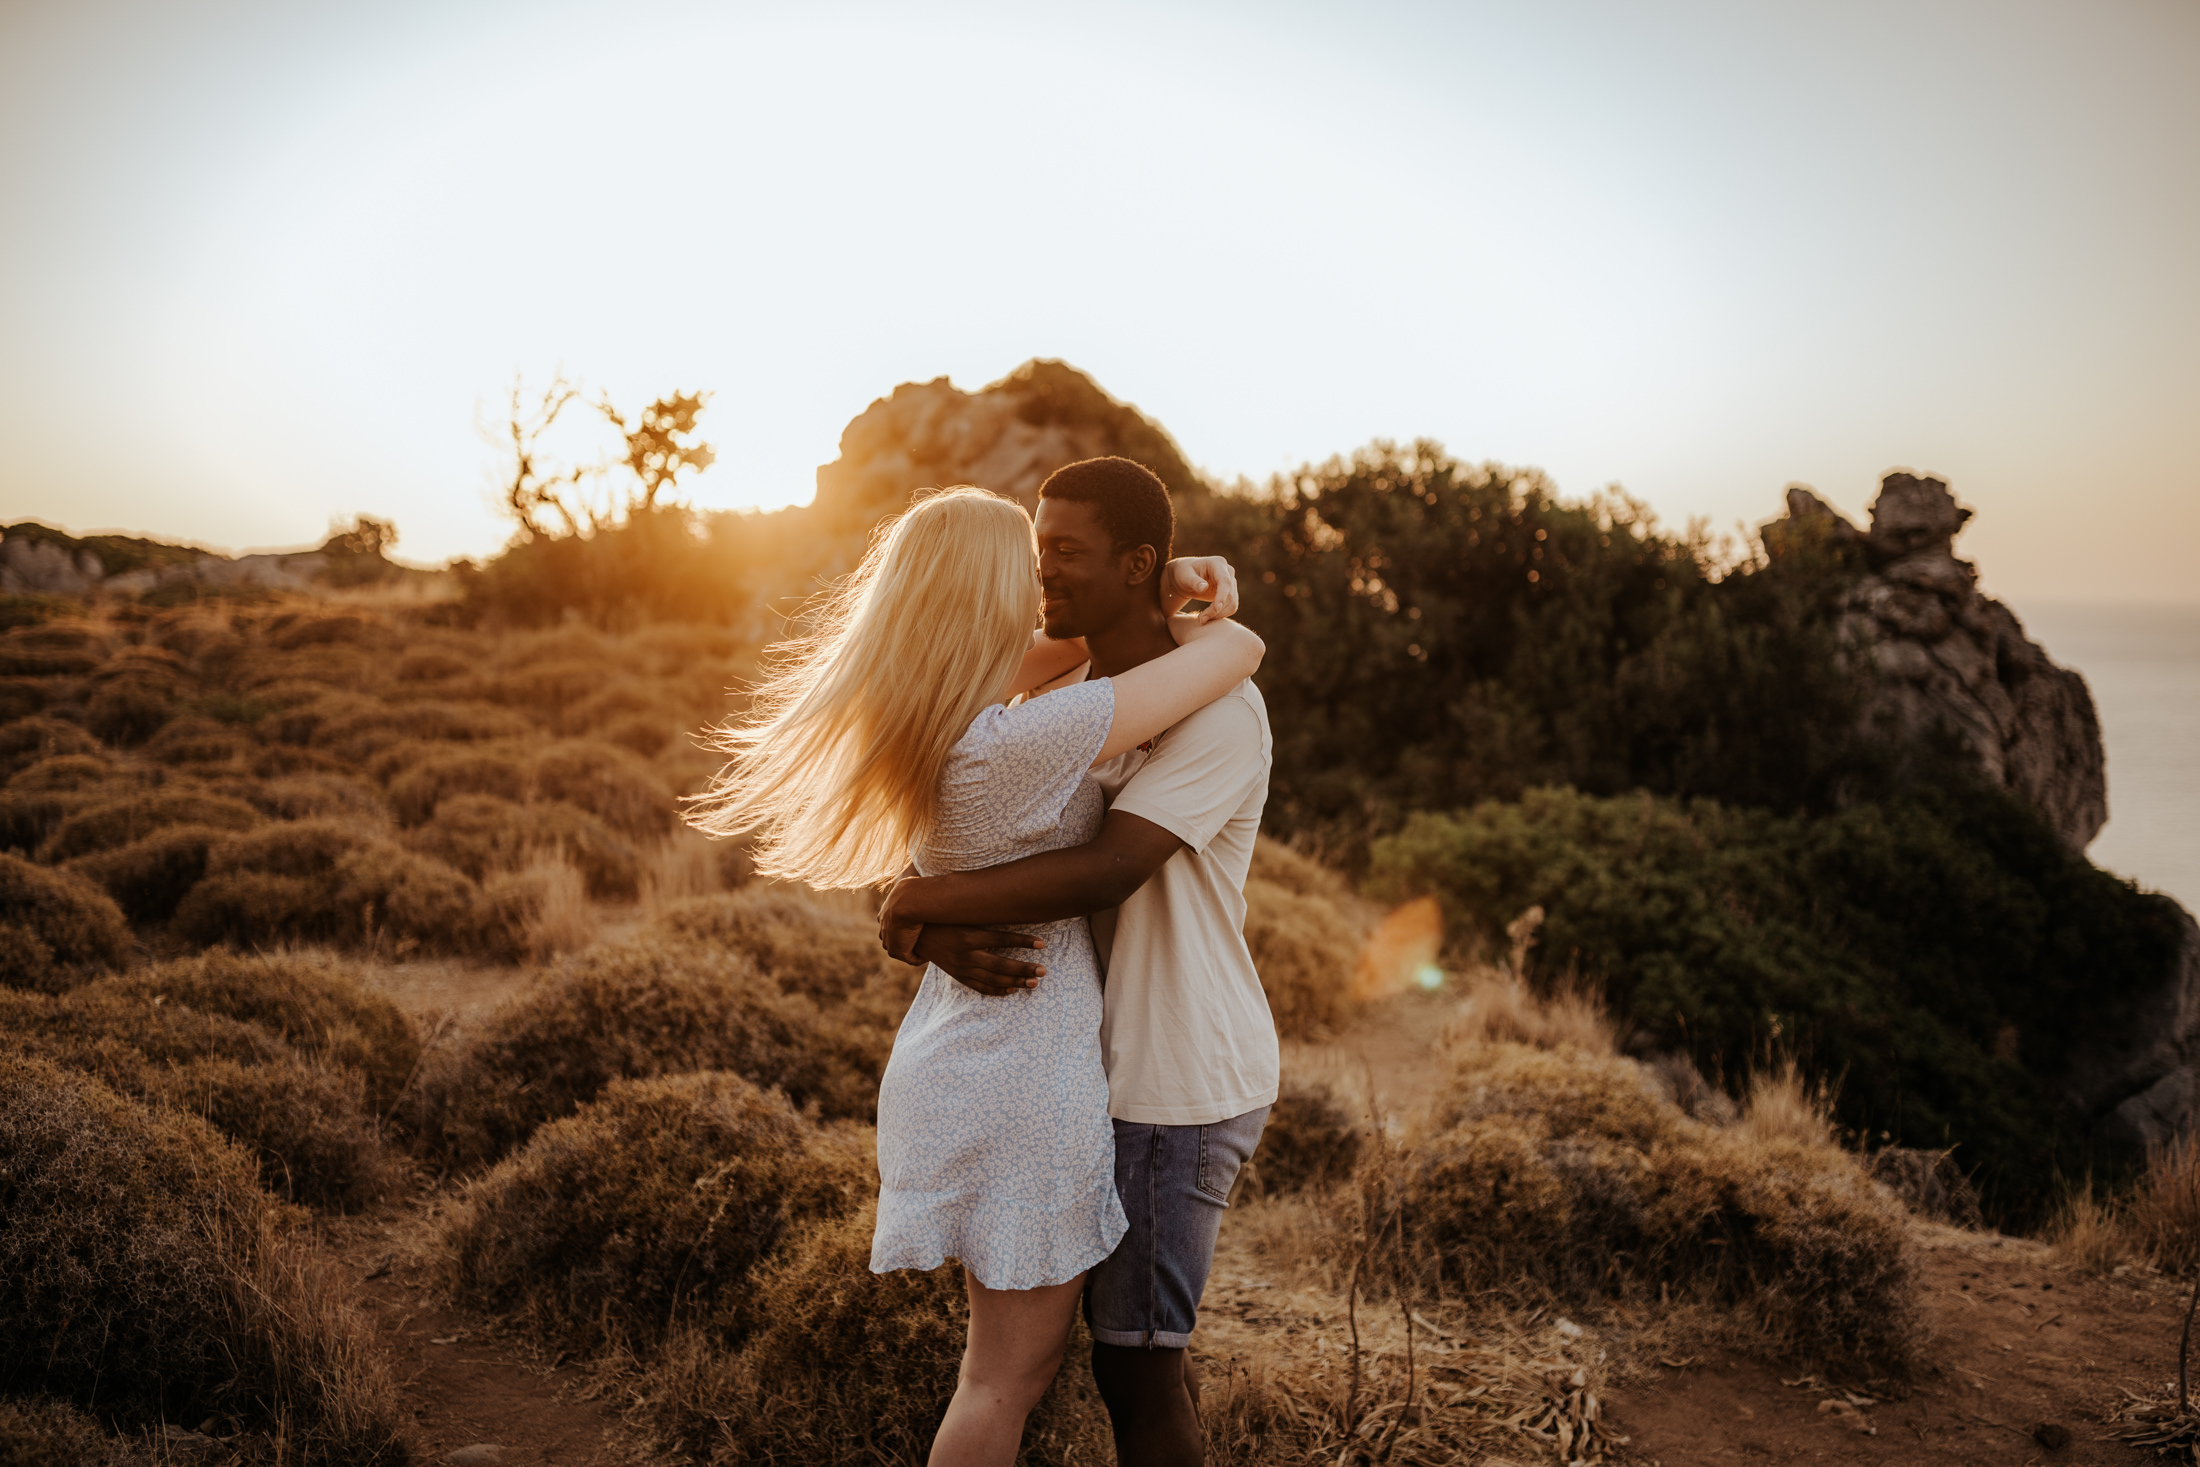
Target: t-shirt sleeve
[
  {"x": 1200, "y": 773},
  {"x": 1013, "y": 774}
]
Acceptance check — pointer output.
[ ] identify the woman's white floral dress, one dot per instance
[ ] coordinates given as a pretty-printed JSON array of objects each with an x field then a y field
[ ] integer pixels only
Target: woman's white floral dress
[{"x": 994, "y": 1144}]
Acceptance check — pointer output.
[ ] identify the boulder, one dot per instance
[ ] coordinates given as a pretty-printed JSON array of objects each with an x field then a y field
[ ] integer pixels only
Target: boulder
[
  {"x": 1951, "y": 658},
  {"x": 1007, "y": 437}
]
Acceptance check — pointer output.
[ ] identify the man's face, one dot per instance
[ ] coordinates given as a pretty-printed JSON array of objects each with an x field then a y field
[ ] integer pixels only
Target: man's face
[{"x": 1085, "y": 583}]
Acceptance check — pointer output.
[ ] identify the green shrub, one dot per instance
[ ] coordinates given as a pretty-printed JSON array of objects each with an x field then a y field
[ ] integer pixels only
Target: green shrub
[
  {"x": 49, "y": 1433},
  {"x": 28, "y": 740},
  {"x": 142, "y": 1269},
  {"x": 319, "y": 881},
  {"x": 304, "y": 1125},
  {"x": 649, "y": 1207},
  {"x": 1567, "y": 1169},
  {"x": 1946, "y": 957},
  {"x": 799, "y": 943},
  {"x": 482, "y": 834},
  {"x": 148, "y": 878},
  {"x": 629, "y": 1012},
  {"x": 316, "y": 1003},
  {"x": 118, "y": 822},
  {"x": 63, "y": 926}
]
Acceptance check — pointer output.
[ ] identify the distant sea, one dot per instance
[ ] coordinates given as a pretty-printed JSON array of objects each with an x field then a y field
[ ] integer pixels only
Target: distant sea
[{"x": 2143, "y": 665}]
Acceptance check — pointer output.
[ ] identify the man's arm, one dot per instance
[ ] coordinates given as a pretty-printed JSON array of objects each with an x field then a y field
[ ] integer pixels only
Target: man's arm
[{"x": 942, "y": 919}]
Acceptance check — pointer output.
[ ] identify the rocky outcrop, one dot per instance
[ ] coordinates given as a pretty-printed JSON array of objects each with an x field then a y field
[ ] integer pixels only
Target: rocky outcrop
[
  {"x": 1953, "y": 659},
  {"x": 1007, "y": 438},
  {"x": 36, "y": 559}
]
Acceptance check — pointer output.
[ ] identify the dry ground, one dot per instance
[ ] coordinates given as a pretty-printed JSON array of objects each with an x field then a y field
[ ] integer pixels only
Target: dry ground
[{"x": 2019, "y": 1339}]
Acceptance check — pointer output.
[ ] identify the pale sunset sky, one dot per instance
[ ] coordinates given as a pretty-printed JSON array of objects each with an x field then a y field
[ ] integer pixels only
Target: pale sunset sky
[{"x": 266, "y": 265}]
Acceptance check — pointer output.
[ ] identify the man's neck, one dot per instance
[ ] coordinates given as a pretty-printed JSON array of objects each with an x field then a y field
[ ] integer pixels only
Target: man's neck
[{"x": 1141, "y": 636}]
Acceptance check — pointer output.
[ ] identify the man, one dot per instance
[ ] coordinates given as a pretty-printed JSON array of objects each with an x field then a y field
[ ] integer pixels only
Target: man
[{"x": 1187, "y": 1037}]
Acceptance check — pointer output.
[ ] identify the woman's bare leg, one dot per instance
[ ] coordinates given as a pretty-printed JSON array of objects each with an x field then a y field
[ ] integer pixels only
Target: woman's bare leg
[{"x": 1017, "y": 1337}]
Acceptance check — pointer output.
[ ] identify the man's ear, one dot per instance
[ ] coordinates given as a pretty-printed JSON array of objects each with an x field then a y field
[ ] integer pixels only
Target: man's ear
[{"x": 1139, "y": 565}]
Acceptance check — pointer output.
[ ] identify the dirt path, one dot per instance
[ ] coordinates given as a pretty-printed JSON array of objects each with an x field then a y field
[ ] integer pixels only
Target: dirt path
[
  {"x": 2017, "y": 1343},
  {"x": 470, "y": 1397}
]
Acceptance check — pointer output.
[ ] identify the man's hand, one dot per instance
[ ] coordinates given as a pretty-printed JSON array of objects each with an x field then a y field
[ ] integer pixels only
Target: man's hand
[{"x": 964, "y": 954}]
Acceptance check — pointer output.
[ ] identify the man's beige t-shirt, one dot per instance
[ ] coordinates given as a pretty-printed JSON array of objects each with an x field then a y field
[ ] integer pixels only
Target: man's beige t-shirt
[{"x": 1187, "y": 1036}]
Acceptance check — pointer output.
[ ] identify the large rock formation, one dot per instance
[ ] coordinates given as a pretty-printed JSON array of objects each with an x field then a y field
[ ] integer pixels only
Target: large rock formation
[
  {"x": 1007, "y": 438},
  {"x": 1956, "y": 659},
  {"x": 1953, "y": 659}
]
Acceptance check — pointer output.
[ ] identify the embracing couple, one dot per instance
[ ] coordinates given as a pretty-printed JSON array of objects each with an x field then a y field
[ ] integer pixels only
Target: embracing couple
[{"x": 1069, "y": 1100}]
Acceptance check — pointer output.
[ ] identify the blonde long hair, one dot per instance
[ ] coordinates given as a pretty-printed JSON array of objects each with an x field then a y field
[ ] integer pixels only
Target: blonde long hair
[{"x": 835, "y": 770}]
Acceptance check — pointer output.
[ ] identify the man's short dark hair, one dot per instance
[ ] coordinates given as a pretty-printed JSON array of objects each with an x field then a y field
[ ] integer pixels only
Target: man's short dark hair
[{"x": 1132, "y": 502}]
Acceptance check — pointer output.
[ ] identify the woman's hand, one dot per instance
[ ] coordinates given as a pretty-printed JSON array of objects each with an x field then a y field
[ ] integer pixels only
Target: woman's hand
[{"x": 1206, "y": 578}]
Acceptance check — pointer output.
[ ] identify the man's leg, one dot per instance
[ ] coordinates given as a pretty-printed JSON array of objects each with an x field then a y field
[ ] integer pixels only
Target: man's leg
[{"x": 1142, "y": 1302}]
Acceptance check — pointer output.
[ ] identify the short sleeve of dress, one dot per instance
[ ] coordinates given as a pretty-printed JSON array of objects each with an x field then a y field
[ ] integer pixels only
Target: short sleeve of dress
[{"x": 1011, "y": 776}]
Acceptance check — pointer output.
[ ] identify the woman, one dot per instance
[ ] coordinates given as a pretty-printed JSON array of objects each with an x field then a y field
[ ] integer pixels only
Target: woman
[{"x": 885, "y": 734}]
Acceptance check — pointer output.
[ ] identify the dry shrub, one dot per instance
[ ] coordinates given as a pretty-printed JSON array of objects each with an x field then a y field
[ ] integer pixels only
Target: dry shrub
[
  {"x": 21, "y": 697},
  {"x": 149, "y": 877},
  {"x": 1305, "y": 938},
  {"x": 1301, "y": 875},
  {"x": 26, "y": 741},
  {"x": 2160, "y": 1221},
  {"x": 50, "y": 1433},
  {"x": 797, "y": 941},
  {"x": 117, "y": 822},
  {"x": 303, "y": 1124},
  {"x": 130, "y": 710},
  {"x": 1497, "y": 1007},
  {"x": 628, "y": 1012},
  {"x": 433, "y": 665},
  {"x": 290, "y": 631},
  {"x": 848, "y": 1369},
  {"x": 690, "y": 864},
  {"x": 316, "y": 795},
  {"x": 54, "y": 926},
  {"x": 549, "y": 687},
  {"x": 421, "y": 777},
  {"x": 649, "y": 1207},
  {"x": 196, "y": 742},
  {"x": 1310, "y": 1141},
  {"x": 361, "y": 732},
  {"x": 483, "y": 834},
  {"x": 66, "y": 772},
  {"x": 544, "y": 907},
  {"x": 2089, "y": 1229},
  {"x": 322, "y": 881},
  {"x": 616, "y": 785},
  {"x": 314, "y": 1002},
  {"x": 301, "y": 722},
  {"x": 141, "y": 1266},
  {"x": 1567, "y": 1170}
]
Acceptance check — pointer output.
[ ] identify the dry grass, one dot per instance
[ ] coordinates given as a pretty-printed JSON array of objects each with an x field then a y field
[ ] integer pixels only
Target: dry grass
[
  {"x": 140, "y": 1262},
  {"x": 546, "y": 903},
  {"x": 801, "y": 942},
  {"x": 2156, "y": 1222},
  {"x": 50, "y": 1433}
]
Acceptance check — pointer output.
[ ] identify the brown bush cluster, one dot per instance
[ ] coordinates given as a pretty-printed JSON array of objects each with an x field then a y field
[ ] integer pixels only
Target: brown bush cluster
[
  {"x": 259, "y": 775},
  {"x": 142, "y": 1266},
  {"x": 1568, "y": 1169},
  {"x": 645, "y": 1008},
  {"x": 1306, "y": 931}
]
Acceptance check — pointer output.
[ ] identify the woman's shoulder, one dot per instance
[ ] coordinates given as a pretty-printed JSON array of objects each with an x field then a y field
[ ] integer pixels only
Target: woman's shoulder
[{"x": 1066, "y": 712}]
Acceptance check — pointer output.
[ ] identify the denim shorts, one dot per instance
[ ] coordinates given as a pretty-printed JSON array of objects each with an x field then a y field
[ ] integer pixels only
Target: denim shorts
[{"x": 1174, "y": 1182}]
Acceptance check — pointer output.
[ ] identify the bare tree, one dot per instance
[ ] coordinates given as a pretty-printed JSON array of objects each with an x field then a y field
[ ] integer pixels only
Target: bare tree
[
  {"x": 654, "y": 452},
  {"x": 531, "y": 490}
]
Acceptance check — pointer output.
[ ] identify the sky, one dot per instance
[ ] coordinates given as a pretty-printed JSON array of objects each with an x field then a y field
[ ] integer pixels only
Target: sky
[{"x": 267, "y": 265}]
